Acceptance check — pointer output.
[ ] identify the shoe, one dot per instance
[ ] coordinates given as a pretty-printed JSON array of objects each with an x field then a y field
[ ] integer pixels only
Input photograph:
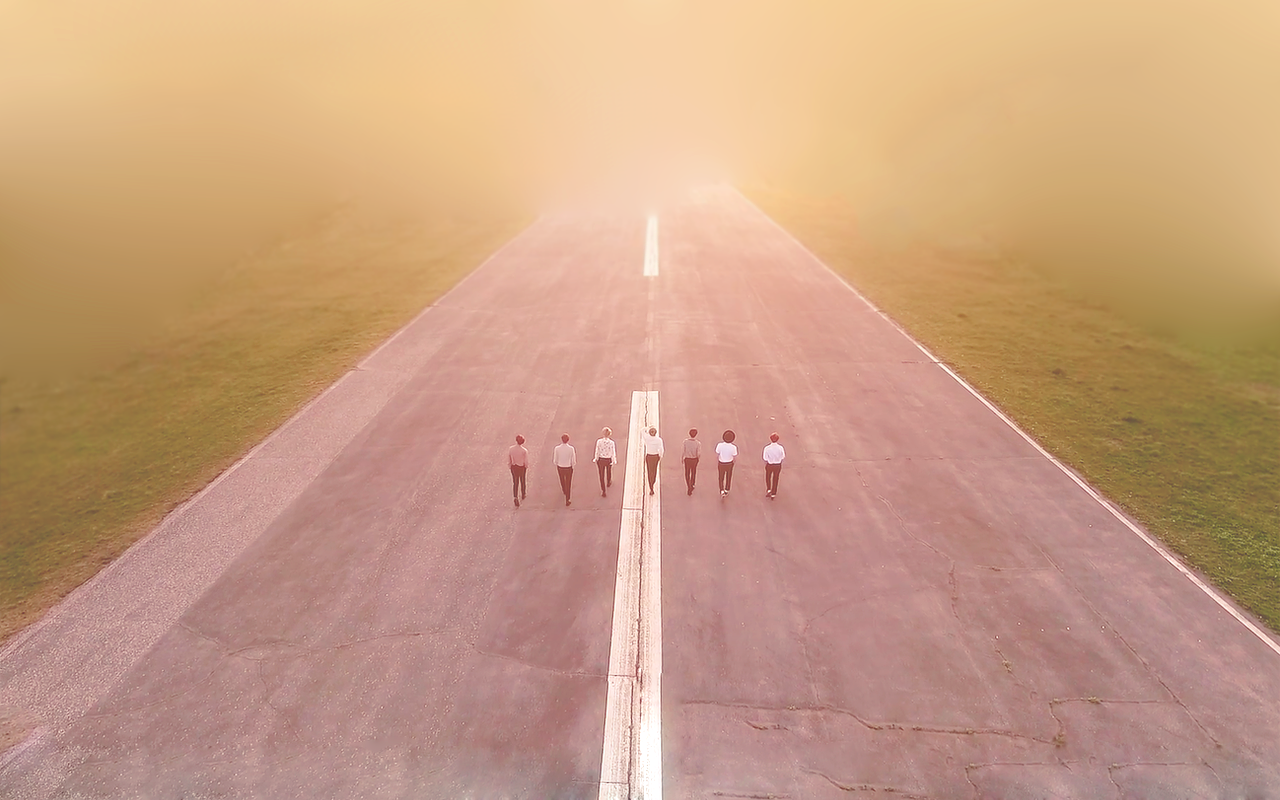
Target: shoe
[
  {"x": 568, "y": 502},
  {"x": 772, "y": 495},
  {"x": 517, "y": 501},
  {"x": 690, "y": 492},
  {"x": 523, "y": 496},
  {"x": 610, "y": 483},
  {"x": 650, "y": 490},
  {"x": 604, "y": 494},
  {"x": 723, "y": 493}
]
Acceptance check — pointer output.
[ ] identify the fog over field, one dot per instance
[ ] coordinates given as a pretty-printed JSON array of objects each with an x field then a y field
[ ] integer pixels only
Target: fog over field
[{"x": 1133, "y": 145}]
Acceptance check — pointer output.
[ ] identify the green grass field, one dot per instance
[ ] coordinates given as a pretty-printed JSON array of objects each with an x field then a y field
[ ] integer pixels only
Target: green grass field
[
  {"x": 1185, "y": 437},
  {"x": 91, "y": 463}
]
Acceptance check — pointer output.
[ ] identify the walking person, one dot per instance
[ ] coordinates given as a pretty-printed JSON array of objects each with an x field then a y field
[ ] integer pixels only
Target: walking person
[
  {"x": 726, "y": 452},
  {"x": 652, "y": 455},
  {"x": 606, "y": 457},
  {"x": 518, "y": 460},
  {"x": 692, "y": 451},
  {"x": 773, "y": 456},
  {"x": 566, "y": 459}
]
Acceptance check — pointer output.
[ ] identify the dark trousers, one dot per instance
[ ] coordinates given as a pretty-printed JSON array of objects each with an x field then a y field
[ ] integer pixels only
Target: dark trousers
[
  {"x": 517, "y": 481},
  {"x": 771, "y": 473},
  {"x": 690, "y": 473},
  {"x": 606, "y": 472},
  {"x": 651, "y": 462},
  {"x": 725, "y": 472},
  {"x": 566, "y": 480}
]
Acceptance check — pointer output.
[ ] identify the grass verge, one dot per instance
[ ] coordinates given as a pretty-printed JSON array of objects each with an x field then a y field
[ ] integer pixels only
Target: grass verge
[
  {"x": 1184, "y": 436},
  {"x": 92, "y": 462}
]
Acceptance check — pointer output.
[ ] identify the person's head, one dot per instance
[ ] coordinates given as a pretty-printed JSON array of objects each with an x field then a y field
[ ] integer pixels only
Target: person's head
[
  {"x": 693, "y": 432},
  {"x": 773, "y": 437},
  {"x": 607, "y": 432},
  {"x": 653, "y": 431},
  {"x": 564, "y": 437},
  {"x": 728, "y": 436},
  {"x": 519, "y": 439}
]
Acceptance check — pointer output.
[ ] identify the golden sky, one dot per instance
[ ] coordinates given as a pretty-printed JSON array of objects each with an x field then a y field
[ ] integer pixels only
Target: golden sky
[{"x": 1143, "y": 129}]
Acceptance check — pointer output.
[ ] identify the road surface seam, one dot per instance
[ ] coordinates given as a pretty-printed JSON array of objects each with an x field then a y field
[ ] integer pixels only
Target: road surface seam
[{"x": 631, "y": 760}]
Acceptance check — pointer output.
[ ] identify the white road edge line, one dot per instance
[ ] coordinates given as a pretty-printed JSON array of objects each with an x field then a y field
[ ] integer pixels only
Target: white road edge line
[
  {"x": 631, "y": 764},
  {"x": 651, "y": 247},
  {"x": 16, "y": 643},
  {"x": 1105, "y": 503}
]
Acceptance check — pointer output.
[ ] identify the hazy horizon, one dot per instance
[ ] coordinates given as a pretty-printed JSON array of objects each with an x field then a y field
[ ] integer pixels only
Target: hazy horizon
[{"x": 144, "y": 143}]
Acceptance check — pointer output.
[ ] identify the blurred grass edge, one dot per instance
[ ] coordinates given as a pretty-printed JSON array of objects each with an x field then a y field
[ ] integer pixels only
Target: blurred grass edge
[
  {"x": 93, "y": 460},
  {"x": 1182, "y": 435}
]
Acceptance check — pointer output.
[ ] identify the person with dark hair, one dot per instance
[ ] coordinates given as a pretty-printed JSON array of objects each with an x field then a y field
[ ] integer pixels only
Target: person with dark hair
[
  {"x": 606, "y": 457},
  {"x": 726, "y": 452},
  {"x": 566, "y": 459},
  {"x": 692, "y": 451},
  {"x": 652, "y": 455},
  {"x": 773, "y": 456},
  {"x": 518, "y": 460}
]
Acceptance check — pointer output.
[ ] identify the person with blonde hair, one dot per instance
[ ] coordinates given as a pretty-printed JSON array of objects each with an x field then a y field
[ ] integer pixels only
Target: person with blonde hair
[{"x": 606, "y": 457}]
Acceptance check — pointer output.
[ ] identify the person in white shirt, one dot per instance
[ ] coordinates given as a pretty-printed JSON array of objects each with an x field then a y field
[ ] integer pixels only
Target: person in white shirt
[
  {"x": 726, "y": 452},
  {"x": 652, "y": 455},
  {"x": 566, "y": 459},
  {"x": 773, "y": 456},
  {"x": 606, "y": 457}
]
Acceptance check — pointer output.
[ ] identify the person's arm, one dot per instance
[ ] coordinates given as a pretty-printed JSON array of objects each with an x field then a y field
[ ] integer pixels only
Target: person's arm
[
  {"x": 573, "y": 456},
  {"x": 661, "y": 450}
]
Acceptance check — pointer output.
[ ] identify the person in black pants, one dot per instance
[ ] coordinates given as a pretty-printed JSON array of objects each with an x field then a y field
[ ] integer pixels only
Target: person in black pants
[
  {"x": 773, "y": 457},
  {"x": 692, "y": 451},
  {"x": 565, "y": 460},
  {"x": 518, "y": 460},
  {"x": 726, "y": 452},
  {"x": 606, "y": 457}
]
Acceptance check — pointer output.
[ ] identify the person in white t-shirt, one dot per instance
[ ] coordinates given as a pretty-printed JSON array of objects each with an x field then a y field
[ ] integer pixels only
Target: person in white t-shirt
[
  {"x": 653, "y": 451},
  {"x": 773, "y": 456},
  {"x": 726, "y": 452}
]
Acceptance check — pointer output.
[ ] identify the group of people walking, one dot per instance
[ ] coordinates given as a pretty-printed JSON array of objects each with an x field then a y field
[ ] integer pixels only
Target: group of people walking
[{"x": 565, "y": 457}]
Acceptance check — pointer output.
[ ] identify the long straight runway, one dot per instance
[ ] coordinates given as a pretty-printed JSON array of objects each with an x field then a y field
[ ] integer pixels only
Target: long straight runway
[{"x": 931, "y": 607}]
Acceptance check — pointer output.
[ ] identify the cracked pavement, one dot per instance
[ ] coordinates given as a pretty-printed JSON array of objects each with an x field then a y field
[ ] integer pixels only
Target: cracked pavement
[{"x": 929, "y": 609}]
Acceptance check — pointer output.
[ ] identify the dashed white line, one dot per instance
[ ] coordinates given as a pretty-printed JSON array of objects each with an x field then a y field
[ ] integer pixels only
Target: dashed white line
[
  {"x": 651, "y": 248},
  {"x": 631, "y": 764}
]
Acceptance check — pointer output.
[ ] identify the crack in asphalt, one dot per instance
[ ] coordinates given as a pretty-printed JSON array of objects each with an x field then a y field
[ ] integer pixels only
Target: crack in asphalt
[
  {"x": 910, "y": 727},
  {"x": 867, "y": 787}
]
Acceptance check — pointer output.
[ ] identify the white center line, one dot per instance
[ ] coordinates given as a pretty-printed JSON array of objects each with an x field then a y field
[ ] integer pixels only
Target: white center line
[
  {"x": 631, "y": 766},
  {"x": 651, "y": 248}
]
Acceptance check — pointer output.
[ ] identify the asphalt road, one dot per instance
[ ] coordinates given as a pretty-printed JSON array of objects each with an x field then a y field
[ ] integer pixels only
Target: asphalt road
[{"x": 930, "y": 607}]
